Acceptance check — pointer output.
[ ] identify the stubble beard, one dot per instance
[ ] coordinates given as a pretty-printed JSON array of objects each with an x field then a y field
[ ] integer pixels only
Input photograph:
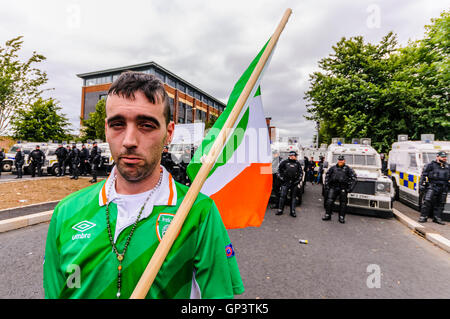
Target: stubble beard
[{"x": 139, "y": 172}]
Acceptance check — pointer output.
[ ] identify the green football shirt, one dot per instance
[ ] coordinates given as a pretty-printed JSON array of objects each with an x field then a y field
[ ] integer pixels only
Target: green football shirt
[{"x": 80, "y": 262}]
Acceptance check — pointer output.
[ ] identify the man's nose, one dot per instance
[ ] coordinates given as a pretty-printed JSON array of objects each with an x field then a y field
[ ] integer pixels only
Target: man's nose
[{"x": 130, "y": 138}]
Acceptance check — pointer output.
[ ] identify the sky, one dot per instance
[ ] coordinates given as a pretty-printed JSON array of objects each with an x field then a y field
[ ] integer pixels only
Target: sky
[{"x": 207, "y": 43}]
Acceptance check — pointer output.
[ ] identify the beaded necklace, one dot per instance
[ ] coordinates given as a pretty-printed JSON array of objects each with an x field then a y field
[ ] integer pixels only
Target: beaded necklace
[{"x": 121, "y": 256}]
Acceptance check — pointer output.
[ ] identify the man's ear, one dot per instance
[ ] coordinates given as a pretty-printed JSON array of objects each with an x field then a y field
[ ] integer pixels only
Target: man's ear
[{"x": 170, "y": 131}]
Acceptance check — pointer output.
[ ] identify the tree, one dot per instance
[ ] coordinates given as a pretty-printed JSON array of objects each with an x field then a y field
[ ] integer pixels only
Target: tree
[
  {"x": 20, "y": 82},
  {"x": 40, "y": 123},
  {"x": 380, "y": 91},
  {"x": 94, "y": 126}
]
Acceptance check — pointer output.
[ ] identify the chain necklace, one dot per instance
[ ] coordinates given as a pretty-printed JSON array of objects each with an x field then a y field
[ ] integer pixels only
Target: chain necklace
[{"x": 121, "y": 256}]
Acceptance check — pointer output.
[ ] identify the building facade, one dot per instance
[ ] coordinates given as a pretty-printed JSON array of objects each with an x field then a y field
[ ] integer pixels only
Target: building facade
[{"x": 188, "y": 104}]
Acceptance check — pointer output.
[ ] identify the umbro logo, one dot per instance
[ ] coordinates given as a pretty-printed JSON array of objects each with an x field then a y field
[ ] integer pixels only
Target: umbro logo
[{"x": 83, "y": 226}]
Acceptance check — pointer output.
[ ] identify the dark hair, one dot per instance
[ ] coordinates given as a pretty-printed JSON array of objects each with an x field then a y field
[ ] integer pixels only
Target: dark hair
[{"x": 153, "y": 88}]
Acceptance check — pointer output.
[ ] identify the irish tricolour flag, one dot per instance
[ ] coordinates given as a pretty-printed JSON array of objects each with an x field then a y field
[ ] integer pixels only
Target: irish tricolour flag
[{"x": 240, "y": 181}]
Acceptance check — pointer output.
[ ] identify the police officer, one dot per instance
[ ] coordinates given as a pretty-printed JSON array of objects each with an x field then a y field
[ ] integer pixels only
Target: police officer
[
  {"x": 19, "y": 160},
  {"x": 2, "y": 157},
  {"x": 37, "y": 159},
  {"x": 339, "y": 181},
  {"x": 68, "y": 162},
  {"x": 184, "y": 162},
  {"x": 290, "y": 173},
  {"x": 95, "y": 160},
  {"x": 61, "y": 154},
  {"x": 75, "y": 160},
  {"x": 166, "y": 159},
  {"x": 434, "y": 184},
  {"x": 84, "y": 160},
  {"x": 276, "y": 184},
  {"x": 384, "y": 169}
]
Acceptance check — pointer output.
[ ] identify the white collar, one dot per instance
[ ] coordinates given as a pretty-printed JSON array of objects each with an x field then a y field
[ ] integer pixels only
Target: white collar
[{"x": 165, "y": 195}]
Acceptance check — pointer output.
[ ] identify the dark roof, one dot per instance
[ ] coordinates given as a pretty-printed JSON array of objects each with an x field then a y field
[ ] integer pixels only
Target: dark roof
[{"x": 146, "y": 65}]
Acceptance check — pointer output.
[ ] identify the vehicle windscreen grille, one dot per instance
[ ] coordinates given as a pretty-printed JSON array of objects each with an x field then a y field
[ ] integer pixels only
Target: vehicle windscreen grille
[{"x": 364, "y": 187}]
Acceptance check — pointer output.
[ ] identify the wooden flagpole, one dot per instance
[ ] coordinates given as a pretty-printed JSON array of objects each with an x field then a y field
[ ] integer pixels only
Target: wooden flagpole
[{"x": 152, "y": 269}]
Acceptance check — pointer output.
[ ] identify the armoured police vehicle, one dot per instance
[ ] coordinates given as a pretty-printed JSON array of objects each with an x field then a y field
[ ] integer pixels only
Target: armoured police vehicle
[
  {"x": 406, "y": 162},
  {"x": 107, "y": 159},
  {"x": 373, "y": 193},
  {"x": 7, "y": 164}
]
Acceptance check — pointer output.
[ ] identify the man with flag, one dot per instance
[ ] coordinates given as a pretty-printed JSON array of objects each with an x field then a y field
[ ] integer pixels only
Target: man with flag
[{"x": 101, "y": 238}]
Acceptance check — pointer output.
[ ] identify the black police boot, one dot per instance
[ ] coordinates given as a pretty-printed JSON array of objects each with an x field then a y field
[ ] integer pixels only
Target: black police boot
[
  {"x": 279, "y": 212},
  {"x": 439, "y": 221},
  {"x": 94, "y": 180},
  {"x": 342, "y": 219},
  {"x": 422, "y": 219},
  {"x": 326, "y": 217},
  {"x": 293, "y": 214}
]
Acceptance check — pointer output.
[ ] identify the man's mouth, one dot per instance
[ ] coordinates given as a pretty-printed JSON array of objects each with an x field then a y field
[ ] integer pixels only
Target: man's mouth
[{"x": 130, "y": 160}]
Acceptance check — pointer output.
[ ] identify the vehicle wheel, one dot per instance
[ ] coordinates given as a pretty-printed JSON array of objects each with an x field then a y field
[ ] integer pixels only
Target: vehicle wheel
[
  {"x": 6, "y": 167},
  {"x": 55, "y": 170}
]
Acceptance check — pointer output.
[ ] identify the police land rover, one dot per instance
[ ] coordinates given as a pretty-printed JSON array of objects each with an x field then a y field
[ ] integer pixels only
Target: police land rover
[
  {"x": 406, "y": 162},
  {"x": 373, "y": 193}
]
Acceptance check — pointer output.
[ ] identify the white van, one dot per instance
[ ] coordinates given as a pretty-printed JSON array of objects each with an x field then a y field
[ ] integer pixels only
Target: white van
[
  {"x": 406, "y": 162},
  {"x": 373, "y": 193}
]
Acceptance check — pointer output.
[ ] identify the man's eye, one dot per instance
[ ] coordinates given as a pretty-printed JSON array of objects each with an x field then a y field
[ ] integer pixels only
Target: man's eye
[
  {"x": 116, "y": 124},
  {"x": 147, "y": 125}
]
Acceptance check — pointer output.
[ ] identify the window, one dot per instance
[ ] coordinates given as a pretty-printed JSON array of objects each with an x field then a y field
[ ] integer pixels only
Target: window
[
  {"x": 115, "y": 77},
  {"x": 412, "y": 160},
  {"x": 371, "y": 160},
  {"x": 90, "y": 82},
  {"x": 171, "y": 81},
  {"x": 190, "y": 91},
  {"x": 428, "y": 157},
  {"x": 160, "y": 75},
  {"x": 181, "y": 111},
  {"x": 171, "y": 105},
  {"x": 188, "y": 114},
  {"x": 360, "y": 160},
  {"x": 348, "y": 158},
  {"x": 181, "y": 87},
  {"x": 102, "y": 97}
]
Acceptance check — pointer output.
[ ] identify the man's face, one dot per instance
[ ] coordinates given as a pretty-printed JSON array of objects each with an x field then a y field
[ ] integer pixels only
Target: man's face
[
  {"x": 341, "y": 162},
  {"x": 292, "y": 157},
  {"x": 442, "y": 159},
  {"x": 136, "y": 131}
]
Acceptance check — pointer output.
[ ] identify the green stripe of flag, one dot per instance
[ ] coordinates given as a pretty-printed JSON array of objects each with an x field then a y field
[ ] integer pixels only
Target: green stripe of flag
[{"x": 239, "y": 130}]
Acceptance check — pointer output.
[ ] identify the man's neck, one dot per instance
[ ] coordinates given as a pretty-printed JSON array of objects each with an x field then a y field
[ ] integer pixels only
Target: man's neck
[{"x": 125, "y": 187}]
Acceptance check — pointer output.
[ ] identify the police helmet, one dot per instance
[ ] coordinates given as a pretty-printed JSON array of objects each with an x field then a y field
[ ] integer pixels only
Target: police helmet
[
  {"x": 341, "y": 158},
  {"x": 442, "y": 154},
  {"x": 292, "y": 153}
]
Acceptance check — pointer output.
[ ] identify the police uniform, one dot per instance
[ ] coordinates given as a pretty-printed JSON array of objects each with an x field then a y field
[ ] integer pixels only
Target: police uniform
[
  {"x": 166, "y": 160},
  {"x": 2, "y": 157},
  {"x": 95, "y": 161},
  {"x": 37, "y": 159},
  {"x": 19, "y": 160},
  {"x": 339, "y": 181},
  {"x": 61, "y": 154},
  {"x": 75, "y": 161},
  {"x": 290, "y": 174},
  {"x": 84, "y": 160},
  {"x": 434, "y": 184}
]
